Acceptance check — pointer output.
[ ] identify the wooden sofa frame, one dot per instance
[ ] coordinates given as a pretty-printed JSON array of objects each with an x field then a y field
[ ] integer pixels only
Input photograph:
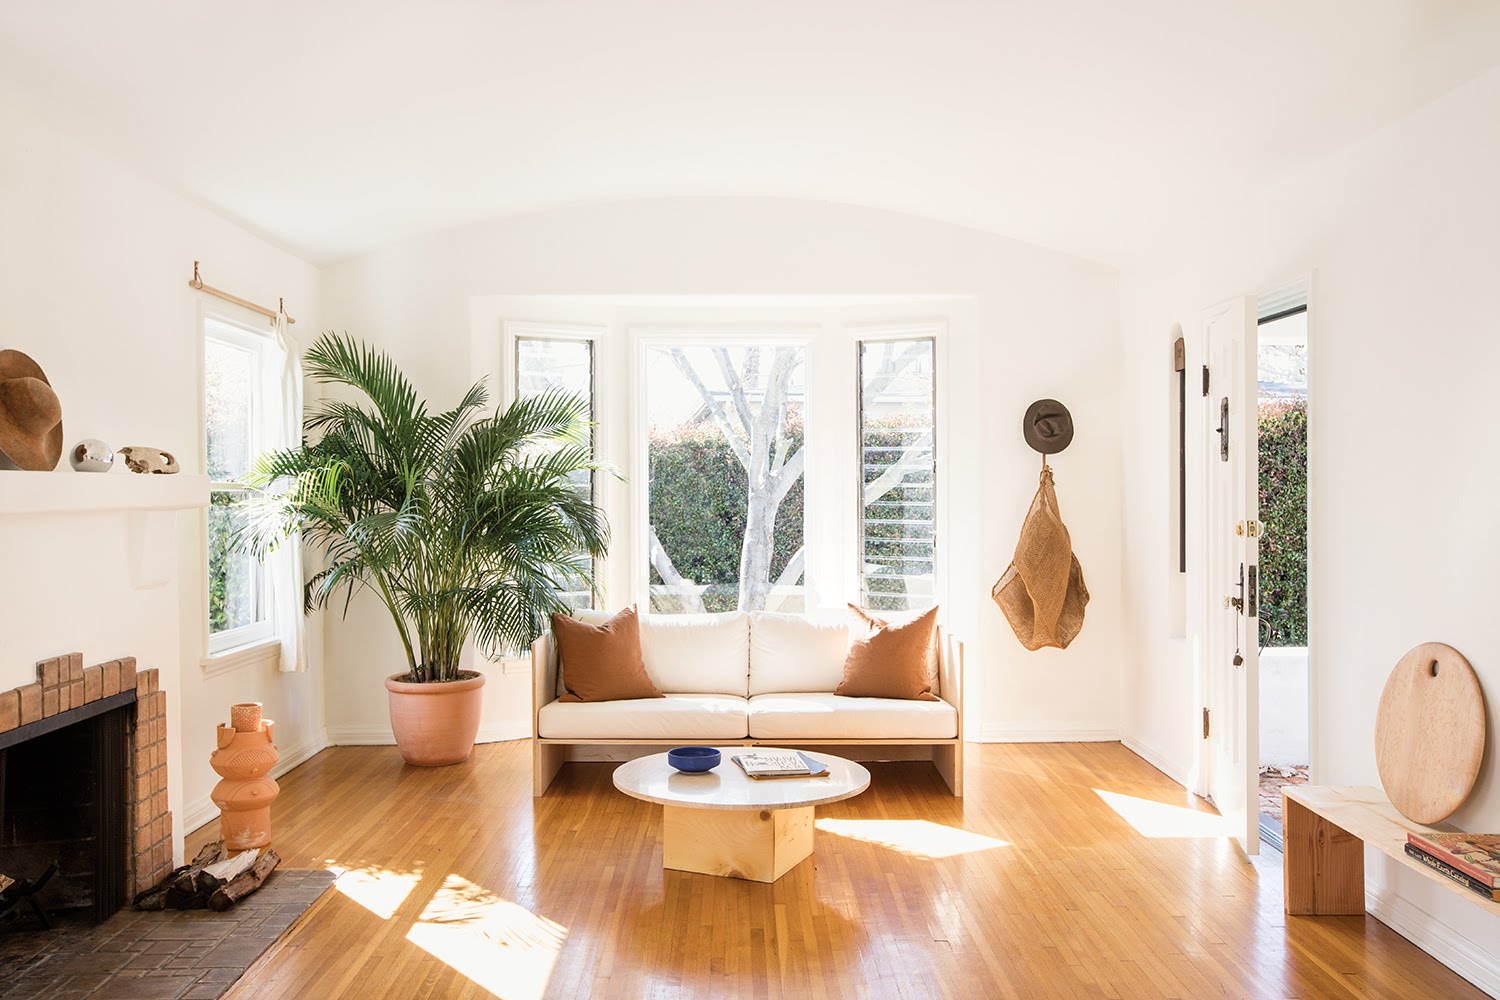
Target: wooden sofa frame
[{"x": 549, "y": 755}]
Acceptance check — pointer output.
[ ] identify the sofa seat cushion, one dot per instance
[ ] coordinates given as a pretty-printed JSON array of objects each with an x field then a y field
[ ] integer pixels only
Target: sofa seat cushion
[
  {"x": 697, "y": 717},
  {"x": 834, "y": 717},
  {"x": 687, "y": 654}
]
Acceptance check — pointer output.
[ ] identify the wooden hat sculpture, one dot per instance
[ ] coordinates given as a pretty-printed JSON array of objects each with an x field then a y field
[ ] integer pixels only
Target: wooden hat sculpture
[
  {"x": 1042, "y": 592},
  {"x": 31, "y": 430},
  {"x": 1430, "y": 732}
]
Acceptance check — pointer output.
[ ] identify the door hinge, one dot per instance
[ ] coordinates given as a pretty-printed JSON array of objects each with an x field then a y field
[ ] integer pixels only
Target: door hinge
[
  {"x": 1205, "y": 723},
  {"x": 1205, "y": 380},
  {"x": 1179, "y": 355}
]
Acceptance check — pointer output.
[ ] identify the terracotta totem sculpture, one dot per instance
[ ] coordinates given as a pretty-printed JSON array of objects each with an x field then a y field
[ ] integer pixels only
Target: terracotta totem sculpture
[{"x": 243, "y": 760}]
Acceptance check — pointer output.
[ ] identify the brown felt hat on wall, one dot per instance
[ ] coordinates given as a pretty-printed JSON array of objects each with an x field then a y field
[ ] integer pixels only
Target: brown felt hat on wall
[
  {"x": 1047, "y": 426},
  {"x": 31, "y": 430}
]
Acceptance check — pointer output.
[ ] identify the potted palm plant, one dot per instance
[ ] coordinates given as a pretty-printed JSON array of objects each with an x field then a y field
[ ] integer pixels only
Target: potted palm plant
[{"x": 466, "y": 526}]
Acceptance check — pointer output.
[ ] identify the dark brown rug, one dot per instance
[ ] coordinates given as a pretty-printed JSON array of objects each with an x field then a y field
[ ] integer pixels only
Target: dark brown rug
[{"x": 167, "y": 955}]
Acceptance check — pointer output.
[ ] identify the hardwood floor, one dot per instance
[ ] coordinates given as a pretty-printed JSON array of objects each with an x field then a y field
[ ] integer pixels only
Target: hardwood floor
[{"x": 1033, "y": 885}]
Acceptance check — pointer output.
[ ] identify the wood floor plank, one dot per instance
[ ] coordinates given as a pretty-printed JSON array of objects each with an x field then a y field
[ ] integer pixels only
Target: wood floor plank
[{"x": 1031, "y": 886}]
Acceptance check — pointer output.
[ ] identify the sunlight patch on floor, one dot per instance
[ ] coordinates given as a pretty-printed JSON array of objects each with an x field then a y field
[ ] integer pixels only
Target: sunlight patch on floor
[
  {"x": 379, "y": 890},
  {"x": 1158, "y": 820},
  {"x": 498, "y": 945},
  {"x": 917, "y": 838}
]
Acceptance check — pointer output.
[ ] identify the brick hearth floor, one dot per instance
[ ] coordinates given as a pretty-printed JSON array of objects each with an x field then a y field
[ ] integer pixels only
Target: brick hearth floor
[{"x": 166, "y": 955}]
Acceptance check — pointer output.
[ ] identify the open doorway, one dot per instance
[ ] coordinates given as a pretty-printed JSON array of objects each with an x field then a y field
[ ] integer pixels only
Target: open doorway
[{"x": 1285, "y": 742}]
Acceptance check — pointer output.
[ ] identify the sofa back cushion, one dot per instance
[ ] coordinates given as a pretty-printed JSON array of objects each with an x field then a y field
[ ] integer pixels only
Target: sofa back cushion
[
  {"x": 698, "y": 654},
  {"x": 796, "y": 653},
  {"x": 603, "y": 661}
]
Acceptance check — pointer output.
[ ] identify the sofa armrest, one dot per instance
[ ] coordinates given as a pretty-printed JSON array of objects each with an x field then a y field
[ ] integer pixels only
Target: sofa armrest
[
  {"x": 951, "y": 672},
  {"x": 543, "y": 676}
]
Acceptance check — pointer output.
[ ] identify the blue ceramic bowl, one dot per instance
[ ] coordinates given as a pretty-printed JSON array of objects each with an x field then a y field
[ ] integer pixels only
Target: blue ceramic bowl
[{"x": 693, "y": 759}]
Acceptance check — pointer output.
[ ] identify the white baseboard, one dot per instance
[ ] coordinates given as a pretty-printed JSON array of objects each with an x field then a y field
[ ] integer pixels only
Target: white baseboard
[
  {"x": 1155, "y": 758},
  {"x": 356, "y": 736},
  {"x": 1008, "y": 734},
  {"x": 1443, "y": 942},
  {"x": 380, "y": 736},
  {"x": 203, "y": 810}
]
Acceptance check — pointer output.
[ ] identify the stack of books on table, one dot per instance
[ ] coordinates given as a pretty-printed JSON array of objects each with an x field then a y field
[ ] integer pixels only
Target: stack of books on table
[
  {"x": 779, "y": 764},
  {"x": 1470, "y": 859}
]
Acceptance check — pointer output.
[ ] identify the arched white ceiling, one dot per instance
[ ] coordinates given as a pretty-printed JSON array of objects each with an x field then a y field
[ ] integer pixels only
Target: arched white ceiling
[{"x": 336, "y": 126}]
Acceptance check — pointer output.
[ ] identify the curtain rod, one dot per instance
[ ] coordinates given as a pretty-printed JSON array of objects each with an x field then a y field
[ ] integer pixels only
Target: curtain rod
[{"x": 270, "y": 314}]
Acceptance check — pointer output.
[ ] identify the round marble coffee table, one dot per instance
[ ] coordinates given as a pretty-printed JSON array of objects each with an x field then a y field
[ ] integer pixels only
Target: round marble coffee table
[{"x": 724, "y": 823}]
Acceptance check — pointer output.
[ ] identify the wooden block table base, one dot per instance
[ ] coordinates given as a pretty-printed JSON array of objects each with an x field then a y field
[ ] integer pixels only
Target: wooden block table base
[
  {"x": 758, "y": 845},
  {"x": 724, "y": 823},
  {"x": 1323, "y": 865}
]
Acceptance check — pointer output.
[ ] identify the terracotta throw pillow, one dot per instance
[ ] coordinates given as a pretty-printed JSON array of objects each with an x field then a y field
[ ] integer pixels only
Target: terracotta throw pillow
[
  {"x": 602, "y": 662},
  {"x": 892, "y": 660}
]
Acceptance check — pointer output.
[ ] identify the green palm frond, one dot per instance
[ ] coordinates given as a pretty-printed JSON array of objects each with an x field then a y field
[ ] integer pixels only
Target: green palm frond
[{"x": 467, "y": 526}]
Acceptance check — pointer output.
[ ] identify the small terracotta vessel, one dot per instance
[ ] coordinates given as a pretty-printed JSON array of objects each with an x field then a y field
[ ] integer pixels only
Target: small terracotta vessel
[
  {"x": 243, "y": 760},
  {"x": 435, "y": 724}
]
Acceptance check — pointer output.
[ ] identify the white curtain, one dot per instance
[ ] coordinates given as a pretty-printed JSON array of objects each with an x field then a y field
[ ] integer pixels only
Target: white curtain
[{"x": 285, "y": 564}]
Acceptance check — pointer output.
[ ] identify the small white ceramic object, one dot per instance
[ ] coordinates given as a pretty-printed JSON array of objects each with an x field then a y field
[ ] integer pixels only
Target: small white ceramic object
[
  {"x": 149, "y": 461},
  {"x": 91, "y": 455}
]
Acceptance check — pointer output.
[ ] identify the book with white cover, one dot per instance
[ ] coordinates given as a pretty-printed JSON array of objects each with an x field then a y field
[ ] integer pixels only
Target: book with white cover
[{"x": 779, "y": 764}]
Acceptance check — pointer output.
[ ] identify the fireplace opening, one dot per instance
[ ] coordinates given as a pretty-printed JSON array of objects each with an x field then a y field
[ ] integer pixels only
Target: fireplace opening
[{"x": 64, "y": 802}]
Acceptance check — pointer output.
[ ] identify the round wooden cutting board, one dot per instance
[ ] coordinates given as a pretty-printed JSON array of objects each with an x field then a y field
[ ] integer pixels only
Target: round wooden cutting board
[{"x": 1429, "y": 732}]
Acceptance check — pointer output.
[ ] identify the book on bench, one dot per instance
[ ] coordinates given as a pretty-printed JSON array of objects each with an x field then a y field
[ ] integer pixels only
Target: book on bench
[
  {"x": 760, "y": 764},
  {"x": 1477, "y": 855},
  {"x": 1451, "y": 873}
]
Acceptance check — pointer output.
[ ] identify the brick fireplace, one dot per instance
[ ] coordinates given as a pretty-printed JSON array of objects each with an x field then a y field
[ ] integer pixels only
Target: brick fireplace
[{"x": 66, "y": 698}]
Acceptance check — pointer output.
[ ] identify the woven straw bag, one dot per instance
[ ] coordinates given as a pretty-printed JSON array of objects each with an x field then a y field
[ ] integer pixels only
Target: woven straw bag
[{"x": 1042, "y": 591}]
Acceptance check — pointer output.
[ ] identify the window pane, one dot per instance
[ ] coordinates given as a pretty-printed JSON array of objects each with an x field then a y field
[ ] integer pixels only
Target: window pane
[
  {"x": 896, "y": 434},
  {"x": 228, "y": 385},
  {"x": 725, "y": 430},
  {"x": 234, "y": 578},
  {"x": 543, "y": 364}
]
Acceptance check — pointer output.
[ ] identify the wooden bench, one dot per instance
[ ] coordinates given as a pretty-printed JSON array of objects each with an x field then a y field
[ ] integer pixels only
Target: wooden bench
[{"x": 1325, "y": 830}]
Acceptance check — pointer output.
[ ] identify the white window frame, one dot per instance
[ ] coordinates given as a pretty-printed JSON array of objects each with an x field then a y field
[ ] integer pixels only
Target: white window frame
[
  {"x": 933, "y": 333},
  {"x": 514, "y": 333},
  {"x": 231, "y": 333}
]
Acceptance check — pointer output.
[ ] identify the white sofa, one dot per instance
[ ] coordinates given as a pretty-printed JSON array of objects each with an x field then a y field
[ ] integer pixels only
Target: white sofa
[{"x": 746, "y": 679}]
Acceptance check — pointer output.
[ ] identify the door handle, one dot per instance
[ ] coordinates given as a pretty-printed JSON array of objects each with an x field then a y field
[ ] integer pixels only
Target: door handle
[
  {"x": 1223, "y": 429},
  {"x": 1238, "y": 603}
]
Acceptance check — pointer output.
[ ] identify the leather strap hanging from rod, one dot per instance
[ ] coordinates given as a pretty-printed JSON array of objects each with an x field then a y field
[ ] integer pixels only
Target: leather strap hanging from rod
[{"x": 270, "y": 314}]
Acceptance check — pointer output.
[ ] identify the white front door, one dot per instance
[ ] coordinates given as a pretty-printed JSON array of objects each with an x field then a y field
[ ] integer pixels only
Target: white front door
[{"x": 1230, "y": 588}]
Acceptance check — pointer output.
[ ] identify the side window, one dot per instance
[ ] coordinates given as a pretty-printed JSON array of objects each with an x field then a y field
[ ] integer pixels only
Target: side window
[
  {"x": 235, "y": 406},
  {"x": 566, "y": 363},
  {"x": 898, "y": 482}
]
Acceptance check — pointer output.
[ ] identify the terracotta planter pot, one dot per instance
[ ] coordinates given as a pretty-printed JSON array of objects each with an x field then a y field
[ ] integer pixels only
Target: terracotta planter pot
[{"x": 435, "y": 724}]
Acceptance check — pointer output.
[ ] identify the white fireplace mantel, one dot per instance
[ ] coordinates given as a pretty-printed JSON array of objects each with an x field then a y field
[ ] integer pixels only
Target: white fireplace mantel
[
  {"x": 151, "y": 503},
  {"x": 83, "y": 492}
]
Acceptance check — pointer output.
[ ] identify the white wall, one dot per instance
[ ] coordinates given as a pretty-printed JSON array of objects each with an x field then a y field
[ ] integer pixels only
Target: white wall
[
  {"x": 93, "y": 270},
  {"x": 1402, "y": 233},
  {"x": 1047, "y": 325},
  {"x": 1283, "y": 707}
]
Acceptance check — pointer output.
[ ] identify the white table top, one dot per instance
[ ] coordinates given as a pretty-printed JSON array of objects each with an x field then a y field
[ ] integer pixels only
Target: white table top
[{"x": 727, "y": 787}]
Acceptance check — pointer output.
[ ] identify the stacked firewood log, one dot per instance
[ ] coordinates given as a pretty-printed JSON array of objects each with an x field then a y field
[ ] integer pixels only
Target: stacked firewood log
[{"x": 214, "y": 880}]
